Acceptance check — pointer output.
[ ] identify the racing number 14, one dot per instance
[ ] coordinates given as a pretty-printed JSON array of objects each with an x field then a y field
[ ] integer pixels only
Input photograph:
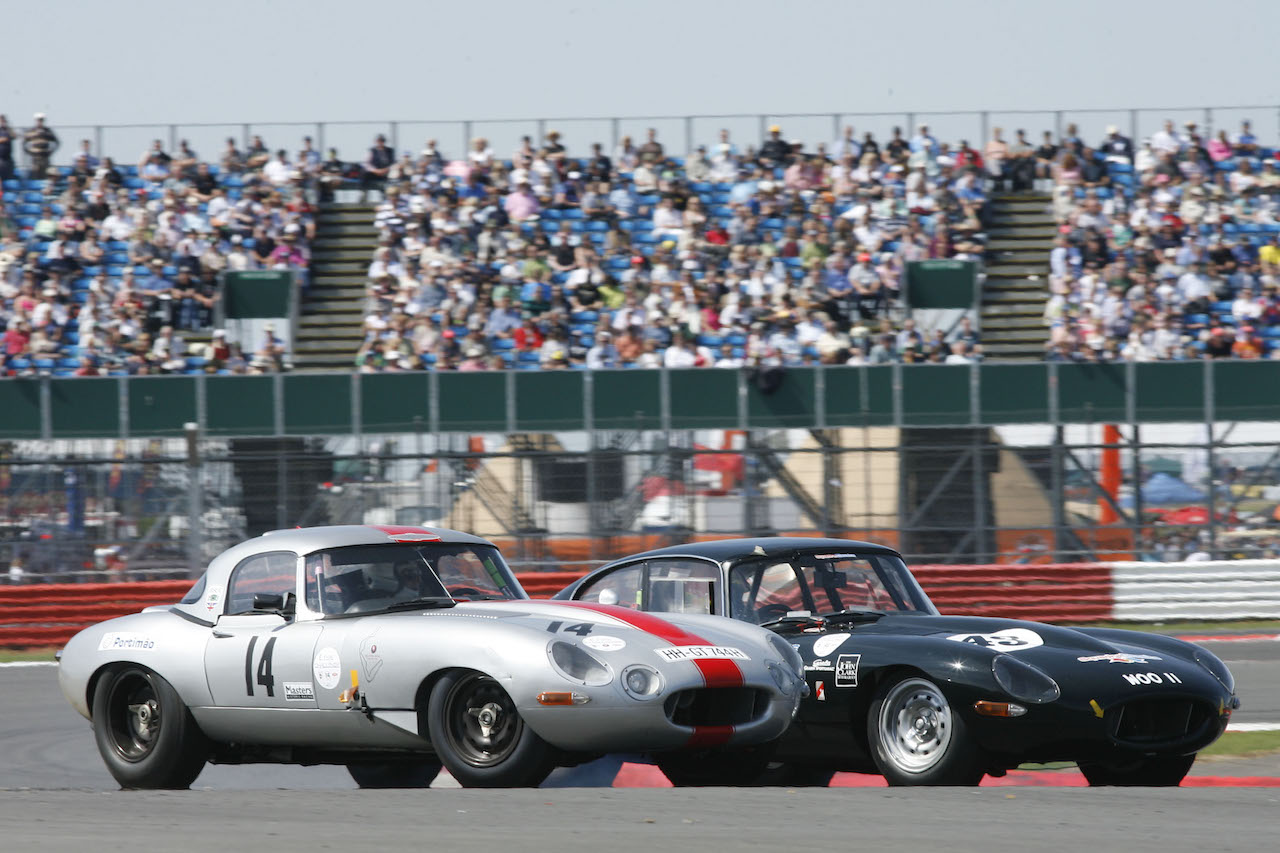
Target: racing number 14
[
  {"x": 581, "y": 629},
  {"x": 265, "y": 678}
]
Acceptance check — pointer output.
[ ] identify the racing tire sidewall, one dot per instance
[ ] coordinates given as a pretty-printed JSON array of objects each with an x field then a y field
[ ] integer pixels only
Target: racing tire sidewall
[
  {"x": 179, "y": 751},
  {"x": 529, "y": 761},
  {"x": 961, "y": 762}
]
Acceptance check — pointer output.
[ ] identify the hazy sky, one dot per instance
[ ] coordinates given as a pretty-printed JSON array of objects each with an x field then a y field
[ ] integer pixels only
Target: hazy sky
[{"x": 427, "y": 62}]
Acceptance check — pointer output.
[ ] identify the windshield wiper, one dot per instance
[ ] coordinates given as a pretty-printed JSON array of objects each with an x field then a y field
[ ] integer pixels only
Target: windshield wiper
[
  {"x": 845, "y": 617},
  {"x": 427, "y": 603}
]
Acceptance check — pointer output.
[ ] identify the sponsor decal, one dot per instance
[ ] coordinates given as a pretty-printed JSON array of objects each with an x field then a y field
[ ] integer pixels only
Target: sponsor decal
[
  {"x": 299, "y": 691},
  {"x": 820, "y": 665},
  {"x": 820, "y": 690},
  {"x": 678, "y": 653},
  {"x": 1118, "y": 657},
  {"x": 326, "y": 666},
  {"x": 370, "y": 660},
  {"x": 847, "y": 670},
  {"x": 1140, "y": 678},
  {"x": 824, "y": 646},
  {"x": 1008, "y": 640},
  {"x": 213, "y": 599},
  {"x": 604, "y": 643},
  {"x": 125, "y": 642}
]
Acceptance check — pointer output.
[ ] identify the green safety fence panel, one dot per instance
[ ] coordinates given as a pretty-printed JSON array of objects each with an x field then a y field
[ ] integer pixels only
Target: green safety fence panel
[
  {"x": 858, "y": 396},
  {"x": 942, "y": 283},
  {"x": 395, "y": 402},
  {"x": 626, "y": 399},
  {"x": 161, "y": 405},
  {"x": 937, "y": 395},
  {"x": 1092, "y": 393},
  {"x": 240, "y": 405},
  {"x": 472, "y": 402},
  {"x": 85, "y": 407},
  {"x": 1246, "y": 390},
  {"x": 317, "y": 404},
  {"x": 1014, "y": 393},
  {"x": 548, "y": 400},
  {"x": 703, "y": 399},
  {"x": 792, "y": 402},
  {"x": 1169, "y": 392},
  {"x": 20, "y": 408}
]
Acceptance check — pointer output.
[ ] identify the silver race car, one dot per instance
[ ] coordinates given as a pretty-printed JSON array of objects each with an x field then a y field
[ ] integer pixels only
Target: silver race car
[{"x": 394, "y": 650}]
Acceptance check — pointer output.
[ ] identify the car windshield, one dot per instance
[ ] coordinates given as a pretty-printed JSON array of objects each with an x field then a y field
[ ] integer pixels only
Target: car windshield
[
  {"x": 822, "y": 584},
  {"x": 371, "y": 578}
]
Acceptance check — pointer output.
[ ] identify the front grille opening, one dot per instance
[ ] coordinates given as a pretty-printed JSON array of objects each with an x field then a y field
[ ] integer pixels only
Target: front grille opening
[
  {"x": 717, "y": 706},
  {"x": 1152, "y": 722}
]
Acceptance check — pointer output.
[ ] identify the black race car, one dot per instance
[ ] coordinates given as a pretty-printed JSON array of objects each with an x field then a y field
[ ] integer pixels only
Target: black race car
[{"x": 926, "y": 699}]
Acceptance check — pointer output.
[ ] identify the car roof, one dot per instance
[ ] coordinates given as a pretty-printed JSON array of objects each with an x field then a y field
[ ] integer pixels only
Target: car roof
[
  {"x": 306, "y": 540},
  {"x": 721, "y": 550}
]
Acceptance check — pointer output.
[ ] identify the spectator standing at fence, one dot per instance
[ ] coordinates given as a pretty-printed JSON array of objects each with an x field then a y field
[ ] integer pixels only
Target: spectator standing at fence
[
  {"x": 774, "y": 151},
  {"x": 6, "y": 149},
  {"x": 377, "y": 165},
  {"x": 651, "y": 152},
  {"x": 997, "y": 154},
  {"x": 1116, "y": 148},
  {"x": 40, "y": 143}
]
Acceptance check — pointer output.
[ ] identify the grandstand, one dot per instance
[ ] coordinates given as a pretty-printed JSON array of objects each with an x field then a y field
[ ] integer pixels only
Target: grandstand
[{"x": 786, "y": 251}]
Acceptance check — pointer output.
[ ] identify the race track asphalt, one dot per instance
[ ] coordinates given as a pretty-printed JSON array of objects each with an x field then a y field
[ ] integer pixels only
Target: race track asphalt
[{"x": 56, "y": 795}]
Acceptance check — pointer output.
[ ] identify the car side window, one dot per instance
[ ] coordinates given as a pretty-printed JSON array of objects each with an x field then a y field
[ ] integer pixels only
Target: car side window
[
  {"x": 621, "y": 587},
  {"x": 682, "y": 585},
  {"x": 274, "y": 573}
]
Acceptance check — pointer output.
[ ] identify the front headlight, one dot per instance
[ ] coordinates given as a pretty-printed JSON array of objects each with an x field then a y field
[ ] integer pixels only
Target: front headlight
[
  {"x": 785, "y": 680},
  {"x": 1217, "y": 668},
  {"x": 641, "y": 681},
  {"x": 1023, "y": 681},
  {"x": 578, "y": 665}
]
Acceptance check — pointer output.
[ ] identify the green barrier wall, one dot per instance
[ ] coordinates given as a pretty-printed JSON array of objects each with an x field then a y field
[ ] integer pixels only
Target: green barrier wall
[{"x": 884, "y": 395}]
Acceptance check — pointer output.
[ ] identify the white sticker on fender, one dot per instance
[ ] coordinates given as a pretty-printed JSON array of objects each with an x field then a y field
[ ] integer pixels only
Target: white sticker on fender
[
  {"x": 299, "y": 691},
  {"x": 676, "y": 653},
  {"x": 825, "y": 645},
  {"x": 1008, "y": 640},
  {"x": 118, "y": 641},
  {"x": 604, "y": 643},
  {"x": 327, "y": 668}
]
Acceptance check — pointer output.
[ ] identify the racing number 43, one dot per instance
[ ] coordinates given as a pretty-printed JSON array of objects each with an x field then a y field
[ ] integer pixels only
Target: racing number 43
[{"x": 264, "y": 676}]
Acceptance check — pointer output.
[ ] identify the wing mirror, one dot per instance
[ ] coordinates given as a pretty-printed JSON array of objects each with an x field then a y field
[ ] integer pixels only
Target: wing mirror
[{"x": 266, "y": 602}]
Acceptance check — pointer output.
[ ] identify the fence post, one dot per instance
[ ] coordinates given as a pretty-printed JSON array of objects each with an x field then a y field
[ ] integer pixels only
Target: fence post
[
  {"x": 195, "y": 498},
  {"x": 97, "y": 140},
  {"x": 835, "y": 127},
  {"x": 615, "y": 125},
  {"x": 394, "y": 128},
  {"x": 542, "y": 133},
  {"x": 911, "y": 125},
  {"x": 173, "y": 137},
  {"x": 985, "y": 124},
  {"x": 1057, "y": 124},
  {"x": 1208, "y": 124},
  {"x": 244, "y": 136},
  {"x": 688, "y": 135},
  {"x": 466, "y": 140},
  {"x": 319, "y": 131},
  {"x": 1133, "y": 127}
]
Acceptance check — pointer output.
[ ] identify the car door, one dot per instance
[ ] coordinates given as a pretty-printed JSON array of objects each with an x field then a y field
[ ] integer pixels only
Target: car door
[{"x": 261, "y": 659}]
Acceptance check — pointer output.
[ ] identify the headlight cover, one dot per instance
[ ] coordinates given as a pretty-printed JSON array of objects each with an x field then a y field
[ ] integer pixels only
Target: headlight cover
[
  {"x": 576, "y": 664},
  {"x": 786, "y": 680},
  {"x": 1217, "y": 668},
  {"x": 788, "y": 654},
  {"x": 642, "y": 682},
  {"x": 1023, "y": 681}
]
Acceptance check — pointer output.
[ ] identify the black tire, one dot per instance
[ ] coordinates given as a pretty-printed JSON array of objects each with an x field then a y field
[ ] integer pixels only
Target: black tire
[
  {"x": 145, "y": 733},
  {"x": 1161, "y": 771},
  {"x": 479, "y": 735},
  {"x": 734, "y": 768},
  {"x": 917, "y": 739},
  {"x": 394, "y": 774},
  {"x": 782, "y": 775}
]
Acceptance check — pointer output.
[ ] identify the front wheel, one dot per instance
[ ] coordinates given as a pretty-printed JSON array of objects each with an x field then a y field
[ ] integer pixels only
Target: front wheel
[
  {"x": 722, "y": 767},
  {"x": 479, "y": 735},
  {"x": 144, "y": 731},
  {"x": 1162, "y": 771},
  {"x": 916, "y": 739},
  {"x": 394, "y": 774}
]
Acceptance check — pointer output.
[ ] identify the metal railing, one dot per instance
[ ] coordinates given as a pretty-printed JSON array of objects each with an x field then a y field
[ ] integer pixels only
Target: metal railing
[{"x": 352, "y": 138}]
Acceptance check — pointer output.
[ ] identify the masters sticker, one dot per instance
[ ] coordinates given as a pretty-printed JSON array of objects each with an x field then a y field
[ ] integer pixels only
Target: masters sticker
[
  {"x": 676, "y": 653},
  {"x": 327, "y": 668},
  {"x": 299, "y": 691},
  {"x": 124, "y": 642}
]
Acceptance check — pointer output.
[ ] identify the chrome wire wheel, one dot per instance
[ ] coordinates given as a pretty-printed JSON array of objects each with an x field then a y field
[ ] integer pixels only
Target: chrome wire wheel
[
  {"x": 915, "y": 726},
  {"x": 134, "y": 716},
  {"x": 483, "y": 725}
]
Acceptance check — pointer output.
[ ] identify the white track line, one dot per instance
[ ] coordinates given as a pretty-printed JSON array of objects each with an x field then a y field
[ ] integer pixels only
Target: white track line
[
  {"x": 1254, "y": 727},
  {"x": 16, "y": 664}
]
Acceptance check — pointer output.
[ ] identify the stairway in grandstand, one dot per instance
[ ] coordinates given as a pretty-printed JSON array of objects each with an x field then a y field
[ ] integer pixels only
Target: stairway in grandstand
[
  {"x": 333, "y": 312},
  {"x": 1019, "y": 237}
]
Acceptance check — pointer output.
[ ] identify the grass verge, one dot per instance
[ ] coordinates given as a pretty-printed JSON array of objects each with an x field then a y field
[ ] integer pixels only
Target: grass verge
[{"x": 11, "y": 655}]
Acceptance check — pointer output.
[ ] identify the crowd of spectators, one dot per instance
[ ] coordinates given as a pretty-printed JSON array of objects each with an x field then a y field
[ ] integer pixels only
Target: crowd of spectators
[
  {"x": 104, "y": 265},
  {"x": 1169, "y": 249},
  {"x": 769, "y": 253}
]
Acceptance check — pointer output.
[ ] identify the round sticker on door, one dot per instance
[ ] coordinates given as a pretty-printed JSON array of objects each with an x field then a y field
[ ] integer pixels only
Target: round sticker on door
[
  {"x": 1008, "y": 640},
  {"x": 327, "y": 668},
  {"x": 824, "y": 646},
  {"x": 604, "y": 643}
]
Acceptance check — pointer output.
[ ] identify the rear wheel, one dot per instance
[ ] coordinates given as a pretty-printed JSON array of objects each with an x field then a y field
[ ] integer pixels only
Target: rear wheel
[
  {"x": 144, "y": 731},
  {"x": 916, "y": 739},
  {"x": 718, "y": 767},
  {"x": 1162, "y": 771},
  {"x": 479, "y": 735},
  {"x": 394, "y": 774}
]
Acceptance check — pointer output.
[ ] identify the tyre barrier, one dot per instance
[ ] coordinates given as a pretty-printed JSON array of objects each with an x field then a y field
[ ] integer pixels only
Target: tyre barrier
[{"x": 39, "y": 615}]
